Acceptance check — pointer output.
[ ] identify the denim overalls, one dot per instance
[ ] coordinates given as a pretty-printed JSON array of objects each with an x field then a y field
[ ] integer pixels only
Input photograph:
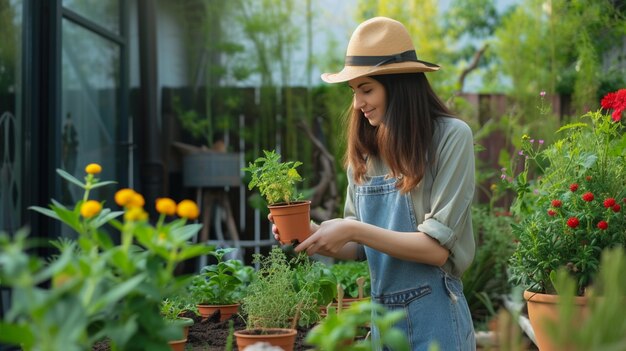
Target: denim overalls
[{"x": 435, "y": 307}]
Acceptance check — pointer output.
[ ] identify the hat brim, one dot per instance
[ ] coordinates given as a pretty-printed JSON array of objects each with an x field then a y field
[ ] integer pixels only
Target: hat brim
[{"x": 351, "y": 72}]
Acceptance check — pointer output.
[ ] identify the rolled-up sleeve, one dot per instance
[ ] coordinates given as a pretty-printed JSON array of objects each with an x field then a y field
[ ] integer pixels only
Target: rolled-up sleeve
[{"x": 448, "y": 208}]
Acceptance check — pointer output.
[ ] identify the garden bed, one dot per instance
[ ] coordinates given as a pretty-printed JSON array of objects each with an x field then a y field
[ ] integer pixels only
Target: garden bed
[{"x": 211, "y": 334}]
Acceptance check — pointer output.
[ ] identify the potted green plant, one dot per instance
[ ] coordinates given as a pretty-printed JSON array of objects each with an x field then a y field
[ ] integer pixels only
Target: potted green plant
[
  {"x": 274, "y": 305},
  {"x": 276, "y": 183},
  {"x": 220, "y": 286},
  {"x": 211, "y": 164},
  {"x": 172, "y": 311},
  {"x": 317, "y": 277},
  {"x": 574, "y": 210}
]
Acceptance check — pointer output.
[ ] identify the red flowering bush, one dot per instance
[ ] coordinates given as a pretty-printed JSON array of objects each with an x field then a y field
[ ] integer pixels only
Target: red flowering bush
[{"x": 577, "y": 207}]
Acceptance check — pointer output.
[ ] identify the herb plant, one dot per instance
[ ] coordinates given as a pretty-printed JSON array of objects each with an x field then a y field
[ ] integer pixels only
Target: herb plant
[
  {"x": 316, "y": 277},
  {"x": 275, "y": 179},
  {"x": 223, "y": 283},
  {"x": 173, "y": 309},
  {"x": 273, "y": 300}
]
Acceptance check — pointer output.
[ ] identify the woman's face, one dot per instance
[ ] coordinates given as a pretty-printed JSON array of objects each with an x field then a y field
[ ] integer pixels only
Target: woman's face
[{"x": 370, "y": 97}]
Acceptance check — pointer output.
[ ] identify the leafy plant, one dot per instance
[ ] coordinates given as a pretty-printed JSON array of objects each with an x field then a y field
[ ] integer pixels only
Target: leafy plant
[
  {"x": 273, "y": 300},
  {"x": 339, "y": 331},
  {"x": 275, "y": 179},
  {"x": 578, "y": 203},
  {"x": 223, "y": 283},
  {"x": 173, "y": 309},
  {"x": 317, "y": 278},
  {"x": 97, "y": 289},
  {"x": 347, "y": 274}
]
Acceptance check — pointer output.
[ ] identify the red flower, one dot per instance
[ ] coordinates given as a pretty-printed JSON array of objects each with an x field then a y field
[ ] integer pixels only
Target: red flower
[
  {"x": 615, "y": 101},
  {"x": 573, "y": 187},
  {"x": 609, "y": 202},
  {"x": 603, "y": 225},
  {"x": 556, "y": 203},
  {"x": 616, "y": 208},
  {"x": 551, "y": 213},
  {"x": 588, "y": 178},
  {"x": 573, "y": 222},
  {"x": 588, "y": 196}
]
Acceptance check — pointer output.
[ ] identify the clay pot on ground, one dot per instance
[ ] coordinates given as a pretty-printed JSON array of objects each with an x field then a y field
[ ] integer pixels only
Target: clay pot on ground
[
  {"x": 283, "y": 338},
  {"x": 226, "y": 311}
]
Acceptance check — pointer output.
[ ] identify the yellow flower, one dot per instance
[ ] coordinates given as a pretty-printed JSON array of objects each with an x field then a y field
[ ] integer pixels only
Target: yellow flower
[
  {"x": 124, "y": 196},
  {"x": 90, "y": 208},
  {"x": 494, "y": 187},
  {"x": 134, "y": 214},
  {"x": 188, "y": 209},
  {"x": 136, "y": 200},
  {"x": 166, "y": 206},
  {"x": 93, "y": 168}
]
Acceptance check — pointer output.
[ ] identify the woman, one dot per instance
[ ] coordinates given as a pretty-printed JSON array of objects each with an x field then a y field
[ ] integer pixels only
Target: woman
[{"x": 411, "y": 184}]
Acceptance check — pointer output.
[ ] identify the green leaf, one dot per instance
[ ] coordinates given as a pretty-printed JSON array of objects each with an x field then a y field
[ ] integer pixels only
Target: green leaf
[
  {"x": 187, "y": 232},
  {"x": 101, "y": 184},
  {"x": 55, "y": 266},
  {"x": 117, "y": 293},
  {"x": 16, "y": 334},
  {"x": 104, "y": 217},
  {"x": 45, "y": 211},
  {"x": 70, "y": 178},
  {"x": 194, "y": 251}
]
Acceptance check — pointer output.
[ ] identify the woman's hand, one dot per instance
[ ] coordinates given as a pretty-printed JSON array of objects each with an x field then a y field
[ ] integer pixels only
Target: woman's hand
[{"x": 328, "y": 238}]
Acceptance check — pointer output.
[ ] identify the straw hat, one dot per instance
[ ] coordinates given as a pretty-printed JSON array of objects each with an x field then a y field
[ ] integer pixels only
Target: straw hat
[{"x": 379, "y": 45}]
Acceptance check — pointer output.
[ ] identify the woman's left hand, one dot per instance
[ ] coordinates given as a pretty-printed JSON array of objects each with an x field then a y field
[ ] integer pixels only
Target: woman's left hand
[{"x": 329, "y": 238}]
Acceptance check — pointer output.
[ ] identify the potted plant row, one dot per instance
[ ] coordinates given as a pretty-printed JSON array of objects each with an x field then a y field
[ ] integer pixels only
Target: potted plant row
[{"x": 276, "y": 182}]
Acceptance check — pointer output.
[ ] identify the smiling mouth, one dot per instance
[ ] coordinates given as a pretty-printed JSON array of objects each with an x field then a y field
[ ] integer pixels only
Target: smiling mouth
[{"x": 367, "y": 113}]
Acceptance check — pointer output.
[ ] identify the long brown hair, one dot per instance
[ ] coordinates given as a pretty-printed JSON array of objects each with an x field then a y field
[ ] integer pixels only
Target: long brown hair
[{"x": 404, "y": 138}]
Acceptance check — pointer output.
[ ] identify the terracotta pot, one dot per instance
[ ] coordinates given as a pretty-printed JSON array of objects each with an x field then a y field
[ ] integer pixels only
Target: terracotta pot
[
  {"x": 225, "y": 310},
  {"x": 283, "y": 338},
  {"x": 184, "y": 323},
  {"x": 178, "y": 345},
  {"x": 542, "y": 307},
  {"x": 292, "y": 220}
]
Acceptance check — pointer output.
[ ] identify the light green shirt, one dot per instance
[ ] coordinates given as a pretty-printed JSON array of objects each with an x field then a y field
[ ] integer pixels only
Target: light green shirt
[{"x": 442, "y": 200}]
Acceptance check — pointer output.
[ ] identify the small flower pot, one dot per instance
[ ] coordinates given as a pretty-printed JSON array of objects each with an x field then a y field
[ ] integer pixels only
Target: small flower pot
[
  {"x": 293, "y": 221},
  {"x": 226, "y": 311},
  {"x": 283, "y": 338},
  {"x": 178, "y": 345}
]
